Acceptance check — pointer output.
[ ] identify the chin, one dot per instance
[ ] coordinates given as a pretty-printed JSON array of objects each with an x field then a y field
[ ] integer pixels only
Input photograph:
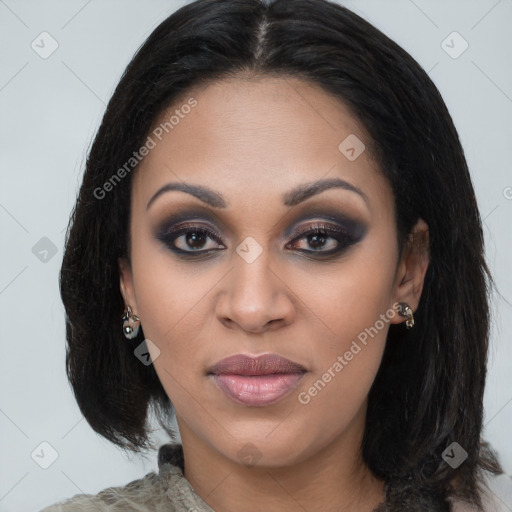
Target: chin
[{"x": 255, "y": 447}]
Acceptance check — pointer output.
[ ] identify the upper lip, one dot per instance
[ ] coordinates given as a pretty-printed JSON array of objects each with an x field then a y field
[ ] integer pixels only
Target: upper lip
[{"x": 265, "y": 364}]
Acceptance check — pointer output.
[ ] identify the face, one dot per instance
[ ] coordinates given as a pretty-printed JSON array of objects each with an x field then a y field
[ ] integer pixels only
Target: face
[{"x": 257, "y": 231}]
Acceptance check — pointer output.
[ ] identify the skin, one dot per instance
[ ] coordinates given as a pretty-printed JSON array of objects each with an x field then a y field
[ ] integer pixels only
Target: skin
[{"x": 252, "y": 139}]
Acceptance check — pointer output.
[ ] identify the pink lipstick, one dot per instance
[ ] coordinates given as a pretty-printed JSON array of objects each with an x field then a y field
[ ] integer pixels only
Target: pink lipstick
[{"x": 256, "y": 381}]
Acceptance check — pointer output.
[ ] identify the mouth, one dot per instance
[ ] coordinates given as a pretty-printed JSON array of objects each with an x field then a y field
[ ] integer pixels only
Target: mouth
[{"x": 256, "y": 381}]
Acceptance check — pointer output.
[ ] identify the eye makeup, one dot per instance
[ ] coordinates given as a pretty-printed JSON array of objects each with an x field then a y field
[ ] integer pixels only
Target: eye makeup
[
  {"x": 317, "y": 236},
  {"x": 192, "y": 234}
]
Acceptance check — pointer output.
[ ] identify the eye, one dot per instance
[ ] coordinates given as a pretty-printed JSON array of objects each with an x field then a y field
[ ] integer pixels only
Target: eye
[
  {"x": 322, "y": 238},
  {"x": 192, "y": 239}
]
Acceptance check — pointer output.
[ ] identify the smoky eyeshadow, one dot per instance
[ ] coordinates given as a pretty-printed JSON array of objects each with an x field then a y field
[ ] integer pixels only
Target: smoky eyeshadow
[
  {"x": 186, "y": 215},
  {"x": 355, "y": 228}
]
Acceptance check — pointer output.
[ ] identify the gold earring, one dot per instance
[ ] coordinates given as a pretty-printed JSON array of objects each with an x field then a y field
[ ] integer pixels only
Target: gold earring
[
  {"x": 405, "y": 311},
  {"x": 131, "y": 323}
]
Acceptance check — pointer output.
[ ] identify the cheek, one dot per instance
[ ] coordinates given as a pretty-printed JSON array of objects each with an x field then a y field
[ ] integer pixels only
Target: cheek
[
  {"x": 172, "y": 309},
  {"x": 345, "y": 365},
  {"x": 168, "y": 292},
  {"x": 349, "y": 296},
  {"x": 173, "y": 314},
  {"x": 171, "y": 300},
  {"x": 354, "y": 309}
]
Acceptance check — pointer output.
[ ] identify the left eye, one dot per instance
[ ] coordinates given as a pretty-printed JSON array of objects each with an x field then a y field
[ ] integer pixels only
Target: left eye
[{"x": 321, "y": 239}]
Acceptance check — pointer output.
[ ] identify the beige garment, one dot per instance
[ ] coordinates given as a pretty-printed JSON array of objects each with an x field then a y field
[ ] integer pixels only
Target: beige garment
[
  {"x": 170, "y": 491},
  {"x": 167, "y": 491}
]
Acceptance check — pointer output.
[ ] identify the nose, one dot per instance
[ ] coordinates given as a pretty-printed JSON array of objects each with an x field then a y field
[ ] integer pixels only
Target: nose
[{"x": 255, "y": 298}]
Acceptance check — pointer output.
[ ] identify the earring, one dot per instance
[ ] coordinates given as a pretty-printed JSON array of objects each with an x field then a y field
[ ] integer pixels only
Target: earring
[
  {"x": 405, "y": 311},
  {"x": 131, "y": 323}
]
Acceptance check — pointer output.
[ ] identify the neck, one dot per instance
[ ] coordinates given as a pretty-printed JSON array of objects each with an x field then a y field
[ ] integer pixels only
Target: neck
[{"x": 334, "y": 479}]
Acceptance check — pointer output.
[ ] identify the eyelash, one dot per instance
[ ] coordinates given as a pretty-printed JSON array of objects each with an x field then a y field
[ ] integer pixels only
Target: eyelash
[{"x": 344, "y": 239}]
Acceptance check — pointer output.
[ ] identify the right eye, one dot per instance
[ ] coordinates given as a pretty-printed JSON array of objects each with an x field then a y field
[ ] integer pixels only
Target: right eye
[{"x": 192, "y": 240}]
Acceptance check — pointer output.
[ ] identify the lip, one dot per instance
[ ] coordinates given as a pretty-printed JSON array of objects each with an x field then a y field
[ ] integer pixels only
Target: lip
[{"x": 256, "y": 381}]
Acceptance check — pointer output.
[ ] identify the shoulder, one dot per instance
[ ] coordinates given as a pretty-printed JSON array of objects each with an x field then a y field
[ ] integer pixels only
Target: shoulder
[
  {"x": 167, "y": 490},
  {"x": 144, "y": 491},
  {"x": 497, "y": 495}
]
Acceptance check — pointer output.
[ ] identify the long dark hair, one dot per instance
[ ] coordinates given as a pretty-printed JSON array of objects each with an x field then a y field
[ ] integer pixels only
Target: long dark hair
[{"x": 429, "y": 389}]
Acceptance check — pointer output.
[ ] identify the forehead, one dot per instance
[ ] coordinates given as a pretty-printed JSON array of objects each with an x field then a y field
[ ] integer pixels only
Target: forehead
[
  {"x": 260, "y": 113},
  {"x": 255, "y": 134}
]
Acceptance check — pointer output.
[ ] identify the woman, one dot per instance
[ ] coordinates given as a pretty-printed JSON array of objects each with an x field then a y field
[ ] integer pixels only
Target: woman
[{"x": 267, "y": 242}]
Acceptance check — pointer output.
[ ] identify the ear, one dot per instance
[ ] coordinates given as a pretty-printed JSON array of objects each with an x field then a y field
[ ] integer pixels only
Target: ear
[
  {"x": 126, "y": 284},
  {"x": 412, "y": 268}
]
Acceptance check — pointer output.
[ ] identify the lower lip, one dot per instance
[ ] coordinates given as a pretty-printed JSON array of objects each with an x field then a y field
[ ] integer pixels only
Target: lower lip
[{"x": 257, "y": 390}]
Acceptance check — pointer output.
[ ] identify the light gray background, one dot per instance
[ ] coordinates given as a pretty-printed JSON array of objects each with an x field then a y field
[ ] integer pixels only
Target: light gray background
[{"x": 50, "y": 110}]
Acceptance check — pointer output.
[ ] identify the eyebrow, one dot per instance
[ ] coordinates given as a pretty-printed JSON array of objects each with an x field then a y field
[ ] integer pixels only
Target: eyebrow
[{"x": 292, "y": 198}]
